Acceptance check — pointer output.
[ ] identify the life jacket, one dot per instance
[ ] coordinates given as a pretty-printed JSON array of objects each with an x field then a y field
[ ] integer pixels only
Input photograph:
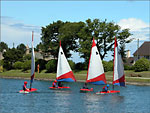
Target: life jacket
[
  {"x": 54, "y": 84},
  {"x": 105, "y": 88},
  {"x": 24, "y": 87}
]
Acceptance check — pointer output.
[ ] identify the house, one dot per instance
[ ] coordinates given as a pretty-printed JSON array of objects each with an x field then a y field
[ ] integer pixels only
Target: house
[{"x": 143, "y": 51}]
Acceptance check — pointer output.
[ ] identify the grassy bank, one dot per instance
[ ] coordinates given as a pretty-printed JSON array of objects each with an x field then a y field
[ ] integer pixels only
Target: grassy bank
[{"x": 131, "y": 76}]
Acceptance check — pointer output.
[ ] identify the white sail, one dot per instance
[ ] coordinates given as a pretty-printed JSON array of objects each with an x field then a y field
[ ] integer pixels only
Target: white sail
[
  {"x": 64, "y": 71},
  {"x": 118, "y": 78},
  {"x": 95, "y": 69}
]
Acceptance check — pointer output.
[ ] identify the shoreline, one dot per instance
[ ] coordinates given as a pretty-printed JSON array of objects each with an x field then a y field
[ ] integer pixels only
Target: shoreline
[{"x": 109, "y": 82}]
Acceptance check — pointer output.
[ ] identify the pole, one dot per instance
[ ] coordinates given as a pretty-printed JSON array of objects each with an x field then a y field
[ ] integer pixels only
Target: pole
[
  {"x": 113, "y": 87},
  {"x": 137, "y": 49}
]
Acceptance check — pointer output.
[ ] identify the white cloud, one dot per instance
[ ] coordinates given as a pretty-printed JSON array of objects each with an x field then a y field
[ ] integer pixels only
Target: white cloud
[
  {"x": 139, "y": 30},
  {"x": 14, "y": 31},
  {"x": 133, "y": 24}
]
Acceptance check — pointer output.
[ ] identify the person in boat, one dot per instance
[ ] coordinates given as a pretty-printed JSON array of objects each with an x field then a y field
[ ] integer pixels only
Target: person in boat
[
  {"x": 25, "y": 87},
  {"x": 60, "y": 84},
  {"x": 85, "y": 86},
  {"x": 105, "y": 88},
  {"x": 54, "y": 83}
]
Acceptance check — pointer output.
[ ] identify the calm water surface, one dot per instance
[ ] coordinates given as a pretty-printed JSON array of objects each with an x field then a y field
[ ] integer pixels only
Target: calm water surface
[{"x": 132, "y": 99}]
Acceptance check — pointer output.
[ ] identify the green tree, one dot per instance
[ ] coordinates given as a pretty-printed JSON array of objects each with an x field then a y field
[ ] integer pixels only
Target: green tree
[
  {"x": 27, "y": 65},
  {"x": 18, "y": 65},
  {"x": 27, "y": 57},
  {"x": 72, "y": 64},
  {"x": 41, "y": 63},
  {"x": 50, "y": 38},
  {"x": 104, "y": 33},
  {"x": 22, "y": 48},
  {"x": 51, "y": 66},
  {"x": 66, "y": 32},
  {"x": 11, "y": 56},
  {"x": 3, "y": 46},
  {"x": 141, "y": 65}
]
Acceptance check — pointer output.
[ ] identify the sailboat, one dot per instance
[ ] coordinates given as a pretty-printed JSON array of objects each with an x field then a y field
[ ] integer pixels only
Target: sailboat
[
  {"x": 32, "y": 71},
  {"x": 95, "y": 74},
  {"x": 64, "y": 72},
  {"x": 118, "y": 71}
]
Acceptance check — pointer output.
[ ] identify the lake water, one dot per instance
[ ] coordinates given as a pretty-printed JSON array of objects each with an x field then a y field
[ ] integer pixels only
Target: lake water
[{"x": 132, "y": 99}]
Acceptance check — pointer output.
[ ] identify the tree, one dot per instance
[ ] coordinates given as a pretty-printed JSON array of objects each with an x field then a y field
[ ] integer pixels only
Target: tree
[
  {"x": 22, "y": 48},
  {"x": 66, "y": 32},
  {"x": 51, "y": 66},
  {"x": 104, "y": 33},
  {"x": 18, "y": 65},
  {"x": 141, "y": 65},
  {"x": 50, "y": 38},
  {"x": 3, "y": 46},
  {"x": 11, "y": 56},
  {"x": 26, "y": 65}
]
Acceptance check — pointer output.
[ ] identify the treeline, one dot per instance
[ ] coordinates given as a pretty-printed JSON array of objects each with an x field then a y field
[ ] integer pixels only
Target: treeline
[{"x": 75, "y": 36}]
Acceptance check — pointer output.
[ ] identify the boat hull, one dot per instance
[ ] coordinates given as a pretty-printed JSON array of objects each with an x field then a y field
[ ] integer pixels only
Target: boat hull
[
  {"x": 108, "y": 92},
  {"x": 28, "y": 91},
  {"x": 86, "y": 90},
  {"x": 59, "y": 88}
]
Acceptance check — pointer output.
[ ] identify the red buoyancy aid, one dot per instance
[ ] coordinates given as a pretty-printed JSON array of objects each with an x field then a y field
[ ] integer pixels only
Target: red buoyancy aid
[{"x": 54, "y": 84}]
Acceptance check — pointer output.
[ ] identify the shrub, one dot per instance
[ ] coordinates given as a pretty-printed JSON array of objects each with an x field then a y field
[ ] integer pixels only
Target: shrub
[
  {"x": 27, "y": 57},
  {"x": 27, "y": 65},
  {"x": 18, "y": 65},
  {"x": 41, "y": 63},
  {"x": 51, "y": 66},
  {"x": 105, "y": 65},
  {"x": 72, "y": 64},
  {"x": 1, "y": 69},
  {"x": 110, "y": 66},
  {"x": 1, "y": 62},
  {"x": 80, "y": 66},
  {"x": 141, "y": 65},
  {"x": 7, "y": 65},
  {"x": 127, "y": 67}
]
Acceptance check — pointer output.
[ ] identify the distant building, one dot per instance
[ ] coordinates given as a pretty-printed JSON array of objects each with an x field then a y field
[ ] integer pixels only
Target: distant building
[
  {"x": 143, "y": 51},
  {"x": 129, "y": 60},
  {"x": 27, "y": 50},
  {"x": 1, "y": 56},
  {"x": 39, "y": 54}
]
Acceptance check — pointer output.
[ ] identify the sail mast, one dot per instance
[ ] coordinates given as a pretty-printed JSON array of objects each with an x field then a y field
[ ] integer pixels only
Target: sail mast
[{"x": 32, "y": 64}]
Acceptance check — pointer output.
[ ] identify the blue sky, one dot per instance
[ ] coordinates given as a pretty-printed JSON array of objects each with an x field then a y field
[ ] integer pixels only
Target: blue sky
[{"x": 19, "y": 18}]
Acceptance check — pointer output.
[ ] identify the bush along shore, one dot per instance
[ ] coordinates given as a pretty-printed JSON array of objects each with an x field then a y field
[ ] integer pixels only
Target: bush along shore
[{"x": 135, "y": 78}]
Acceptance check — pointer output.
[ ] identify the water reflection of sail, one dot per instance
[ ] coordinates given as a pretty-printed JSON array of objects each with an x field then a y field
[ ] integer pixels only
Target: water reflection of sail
[
  {"x": 92, "y": 103},
  {"x": 61, "y": 100}
]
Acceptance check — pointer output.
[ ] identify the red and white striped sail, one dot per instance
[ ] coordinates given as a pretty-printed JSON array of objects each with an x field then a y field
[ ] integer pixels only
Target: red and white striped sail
[
  {"x": 95, "y": 73},
  {"x": 64, "y": 72},
  {"x": 32, "y": 61},
  {"x": 118, "y": 75}
]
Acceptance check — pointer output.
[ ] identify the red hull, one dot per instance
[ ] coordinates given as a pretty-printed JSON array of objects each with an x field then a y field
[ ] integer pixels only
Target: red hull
[
  {"x": 108, "y": 92},
  {"x": 86, "y": 90},
  {"x": 57, "y": 88},
  {"x": 28, "y": 91}
]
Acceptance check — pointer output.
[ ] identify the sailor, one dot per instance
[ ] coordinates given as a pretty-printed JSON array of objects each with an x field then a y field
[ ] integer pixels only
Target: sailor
[
  {"x": 85, "y": 86},
  {"x": 54, "y": 83},
  {"x": 105, "y": 88},
  {"x": 60, "y": 84},
  {"x": 25, "y": 87}
]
